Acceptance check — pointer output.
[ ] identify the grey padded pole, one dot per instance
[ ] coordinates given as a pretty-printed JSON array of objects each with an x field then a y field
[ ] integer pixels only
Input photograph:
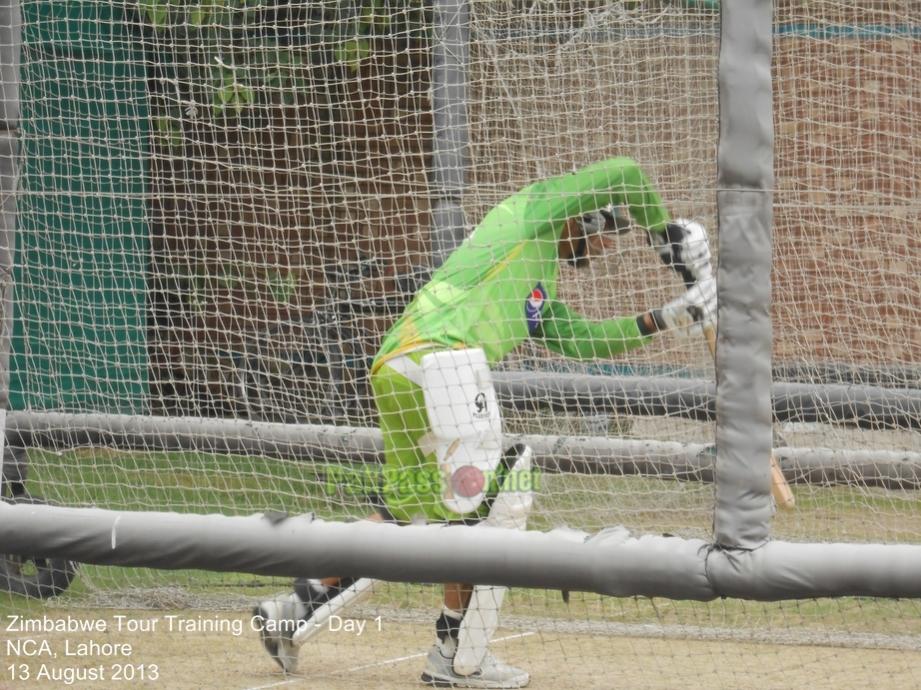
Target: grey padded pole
[{"x": 743, "y": 358}]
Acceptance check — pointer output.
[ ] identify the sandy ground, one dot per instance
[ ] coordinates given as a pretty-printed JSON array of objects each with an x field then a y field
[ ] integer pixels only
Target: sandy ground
[{"x": 391, "y": 655}]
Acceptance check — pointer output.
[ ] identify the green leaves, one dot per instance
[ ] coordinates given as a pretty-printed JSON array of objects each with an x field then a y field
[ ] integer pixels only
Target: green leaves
[
  {"x": 281, "y": 72},
  {"x": 374, "y": 17},
  {"x": 353, "y": 52},
  {"x": 155, "y": 12},
  {"x": 168, "y": 131},
  {"x": 198, "y": 16},
  {"x": 231, "y": 95},
  {"x": 281, "y": 284},
  {"x": 175, "y": 14},
  {"x": 231, "y": 58}
]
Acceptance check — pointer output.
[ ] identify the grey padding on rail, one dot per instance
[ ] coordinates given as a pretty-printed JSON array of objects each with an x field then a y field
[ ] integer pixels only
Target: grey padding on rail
[
  {"x": 611, "y": 562},
  {"x": 342, "y": 444}
]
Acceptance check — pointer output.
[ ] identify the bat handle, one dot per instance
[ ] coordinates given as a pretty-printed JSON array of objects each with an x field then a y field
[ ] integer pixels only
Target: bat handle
[{"x": 710, "y": 335}]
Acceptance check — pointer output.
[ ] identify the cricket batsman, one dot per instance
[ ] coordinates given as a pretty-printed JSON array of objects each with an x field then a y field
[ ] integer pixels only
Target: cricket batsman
[{"x": 445, "y": 461}]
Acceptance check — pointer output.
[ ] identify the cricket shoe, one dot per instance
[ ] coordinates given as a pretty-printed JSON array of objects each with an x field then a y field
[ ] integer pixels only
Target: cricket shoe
[
  {"x": 439, "y": 672},
  {"x": 277, "y": 620}
]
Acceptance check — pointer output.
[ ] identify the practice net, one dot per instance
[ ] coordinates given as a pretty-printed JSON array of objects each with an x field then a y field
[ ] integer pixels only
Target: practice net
[{"x": 222, "y": 207}]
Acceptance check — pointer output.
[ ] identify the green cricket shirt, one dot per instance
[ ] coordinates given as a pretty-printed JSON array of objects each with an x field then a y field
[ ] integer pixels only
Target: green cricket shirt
[{"x": 500, "y": 286}]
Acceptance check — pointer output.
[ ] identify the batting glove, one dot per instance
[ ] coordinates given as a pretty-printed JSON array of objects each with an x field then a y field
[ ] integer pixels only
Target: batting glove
[
  {"x": 602, "y": 220},
  {"x": 685, "y": 248},
  {"x": 690, "y": 312}
]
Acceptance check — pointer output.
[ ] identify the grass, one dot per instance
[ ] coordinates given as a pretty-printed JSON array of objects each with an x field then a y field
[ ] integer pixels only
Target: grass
[{"x": 194, "y": 482}]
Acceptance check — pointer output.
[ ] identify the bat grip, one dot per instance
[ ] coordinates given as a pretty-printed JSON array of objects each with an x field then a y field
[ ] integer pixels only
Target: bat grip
[{"x": 710, "y": 335}]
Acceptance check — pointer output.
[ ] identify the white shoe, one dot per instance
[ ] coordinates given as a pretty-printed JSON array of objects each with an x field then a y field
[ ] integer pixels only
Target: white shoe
[
  {"x": 439, "y": 672},
  {"x": 277, "y": 620}
]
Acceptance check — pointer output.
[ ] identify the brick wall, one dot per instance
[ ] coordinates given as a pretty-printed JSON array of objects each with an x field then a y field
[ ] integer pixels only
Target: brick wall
[{"x": 252, "y": 223}]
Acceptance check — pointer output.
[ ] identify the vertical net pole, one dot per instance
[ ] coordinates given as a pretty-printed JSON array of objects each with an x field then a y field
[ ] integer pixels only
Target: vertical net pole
[
  {"x": 450, "y": 57},
  {"x": 745, "y": 180},
  {"x": 9, "y": 128}
]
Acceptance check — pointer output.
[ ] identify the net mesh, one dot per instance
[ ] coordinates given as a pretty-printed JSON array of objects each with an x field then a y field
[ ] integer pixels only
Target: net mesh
[{"x": 223, "y": 207}]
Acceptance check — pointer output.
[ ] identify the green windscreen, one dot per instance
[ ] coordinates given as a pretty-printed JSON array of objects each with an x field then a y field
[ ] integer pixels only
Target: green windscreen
[{"x": 82, "y": 238}]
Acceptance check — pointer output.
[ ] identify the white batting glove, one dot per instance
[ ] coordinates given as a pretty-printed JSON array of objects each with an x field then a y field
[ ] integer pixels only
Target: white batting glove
[
  {"x": 690, "y": 312},
  {"x": 684, "y": 246}
]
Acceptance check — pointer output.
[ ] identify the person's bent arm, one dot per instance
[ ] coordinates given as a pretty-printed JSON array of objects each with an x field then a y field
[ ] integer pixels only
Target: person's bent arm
[
  {"x": 572, "y": 335},
  {"x": 617, "y": 181}
]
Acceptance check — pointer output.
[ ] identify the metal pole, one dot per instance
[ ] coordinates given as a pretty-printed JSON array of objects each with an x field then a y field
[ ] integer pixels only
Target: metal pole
[
  {"x": 450, "y": 57},
  {"x": 12, "y": 464}
]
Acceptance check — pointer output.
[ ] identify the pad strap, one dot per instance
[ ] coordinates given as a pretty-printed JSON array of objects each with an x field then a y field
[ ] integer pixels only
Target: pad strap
[{"x": 404, "y": 366}]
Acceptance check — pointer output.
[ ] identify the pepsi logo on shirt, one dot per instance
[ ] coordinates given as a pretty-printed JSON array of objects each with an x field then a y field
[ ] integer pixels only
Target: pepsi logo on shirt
[{"x": 533, "y": 306}]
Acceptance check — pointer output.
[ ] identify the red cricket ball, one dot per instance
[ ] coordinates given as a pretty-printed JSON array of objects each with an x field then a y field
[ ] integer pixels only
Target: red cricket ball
[{"x": 467, "y": 481}]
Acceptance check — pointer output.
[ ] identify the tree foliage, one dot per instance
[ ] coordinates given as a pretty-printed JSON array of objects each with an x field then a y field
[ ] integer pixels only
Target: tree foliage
[{"x": 226, "y": 59}]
